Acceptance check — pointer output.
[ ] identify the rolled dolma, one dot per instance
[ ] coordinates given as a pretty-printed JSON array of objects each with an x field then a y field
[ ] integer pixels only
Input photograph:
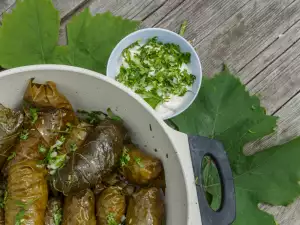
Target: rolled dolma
[
  {"x": 111, "y": 206},
  {"x": 98, "y": 157},
  {"x": 27, "y": 194},
  {"x": 79, "y": 209},
  {"x": 10, "y": 126},
  {"x": 145, "y": 207},
  {"x": 138, "y": 167}
]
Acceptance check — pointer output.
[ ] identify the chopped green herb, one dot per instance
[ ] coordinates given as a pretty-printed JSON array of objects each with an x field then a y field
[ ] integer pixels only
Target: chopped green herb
[
  {"x": 94, "y": 117},
  {"x": 57, "y": 217},
  {"x": 11, "y": 156},
  {"x": 42, "y": 149},
  {"x": 24, "y": 134},
  {"x": 138, "y": 161},
  {"x": 33, "y": 115},
  {"x": 53, "y": 159},
  {"x": 183, "y": 28},
  {"x": 156, "y": 71},
  {"x": 73, "y": 147},
  {"x": 125, "y": 158},
  {"x": 20, "y": 217},
  {"x": 112, "y": 116},
  {"x": 23, "y": 208},
  {"x": 111, "y": 219}
]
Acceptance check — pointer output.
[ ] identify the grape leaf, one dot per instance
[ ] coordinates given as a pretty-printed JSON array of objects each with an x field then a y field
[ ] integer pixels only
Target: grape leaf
[
  {"x": 29, "y": 34},
  {"x": 92, "y": 39},
  {"x": 225, "y": 111}
]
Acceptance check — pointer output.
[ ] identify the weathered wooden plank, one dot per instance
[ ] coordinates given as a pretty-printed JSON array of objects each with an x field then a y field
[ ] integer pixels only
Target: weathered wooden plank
[
  {"x": 66, "y": 7},
  {"x": 131, "y": 9},
  {"x": 247, "y": 33},
  {"x": 270, "y": 54},
  {"x": 288, "y": 127},
  {"x": 5, "y": 4},
  {"x": 285, "y": 215},
  {"x": 204, "y": 16},
  {"x": 161, "y": 12}
]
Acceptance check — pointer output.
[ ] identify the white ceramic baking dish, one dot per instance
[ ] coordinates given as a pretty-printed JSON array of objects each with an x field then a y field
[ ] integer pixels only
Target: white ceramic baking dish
[{"x": 181, "y": 155}]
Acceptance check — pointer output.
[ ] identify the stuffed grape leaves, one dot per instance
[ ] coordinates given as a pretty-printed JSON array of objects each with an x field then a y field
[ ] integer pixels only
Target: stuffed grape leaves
[
  {"x": 139, "y": 167},
  {"x": 53, "y": 214},
  {"x": 47, "y": 147},
  {"x": 46, "y": 96},
  {"x": 79, "y": 209},
  {"x": 98, "y": 157},
  {"x": 27, "y": 194},
  {"x": 145, "y": 207},
  {"x": 10, "y": 126},
  {"x": 111, "y": 206}
]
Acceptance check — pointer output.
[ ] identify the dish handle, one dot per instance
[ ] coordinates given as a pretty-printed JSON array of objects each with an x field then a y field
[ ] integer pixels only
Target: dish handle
[{"x": 199, "y": 148}]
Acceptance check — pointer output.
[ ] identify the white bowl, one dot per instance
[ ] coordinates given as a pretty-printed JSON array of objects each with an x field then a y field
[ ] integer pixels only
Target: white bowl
[
  {"x": 165, "y": 36},
  {"x": 181, "y": 155}
]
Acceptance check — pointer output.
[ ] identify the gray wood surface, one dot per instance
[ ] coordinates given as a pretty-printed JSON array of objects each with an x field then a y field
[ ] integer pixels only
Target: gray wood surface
[{"x": 258, "y": 39}]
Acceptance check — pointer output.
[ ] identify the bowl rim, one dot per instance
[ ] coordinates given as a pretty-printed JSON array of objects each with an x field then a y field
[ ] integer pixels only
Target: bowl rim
[
  {"x": 86, "y": 72},
  {"x": 128, "y": 37}
]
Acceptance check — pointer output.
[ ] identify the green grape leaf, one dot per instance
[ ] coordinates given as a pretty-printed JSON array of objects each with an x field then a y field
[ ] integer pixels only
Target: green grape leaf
[
  {"x": 29, "y": 34},
  {"x": 91, "y": 39},
  {"x": 225, "y": 111}
]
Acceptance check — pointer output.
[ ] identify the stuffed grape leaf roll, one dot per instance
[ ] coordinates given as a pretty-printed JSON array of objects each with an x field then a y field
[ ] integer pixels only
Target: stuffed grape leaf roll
[
  {"x": 79, "y": 209},
  {"x": 98, "y": 157},
  {"x": 145, "y": 207},
  {"x": 111, "y": 206},
  {"x": 27, "y": 194},
  {"x": 138, "y": 167},
  {"x": 10, "y": 126}
]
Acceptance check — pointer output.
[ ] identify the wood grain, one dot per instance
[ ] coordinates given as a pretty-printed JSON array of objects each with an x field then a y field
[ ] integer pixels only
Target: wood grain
[
  {"x": 65, "y": 7},
  {"x": 131, "y": 9},
  {"x": 203, "y": 17},
  {"x": 246, "y": 34},
  {"x": 5, "y": 4}
]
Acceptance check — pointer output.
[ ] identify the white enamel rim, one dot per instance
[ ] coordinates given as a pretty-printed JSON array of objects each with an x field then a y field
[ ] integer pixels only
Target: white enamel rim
[
  {"x": 192, "y": 50},
  {"x": 177, "y": 139}
]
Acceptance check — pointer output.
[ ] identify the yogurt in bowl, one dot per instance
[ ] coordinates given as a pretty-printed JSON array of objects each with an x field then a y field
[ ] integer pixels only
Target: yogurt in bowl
[{"x": 159, "y": 65}]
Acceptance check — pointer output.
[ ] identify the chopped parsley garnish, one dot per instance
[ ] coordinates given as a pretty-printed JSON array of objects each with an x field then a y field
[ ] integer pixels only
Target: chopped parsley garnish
[
  {"x": 138, "y": 161},
  {"x": 33, "y": 115},
  {"x": 11, "y": 156},
  {"x": 57, "y": 217},
  {"x": 156, "y": 71},
  {"x": 42, "y": 149},
  {"x": 53, "y": 159},
  {"x": 73, "y": 147},
  {"x": 94, "y": 117},
  {"x": 112, "y": 116},
  {"x": 183, "y": 28},
  {"x": 111, "y": 219},
  {"x": 125, "y": 158},
  {"x": 23, "y": 208},
  {"x": 24, "y": 134}
]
